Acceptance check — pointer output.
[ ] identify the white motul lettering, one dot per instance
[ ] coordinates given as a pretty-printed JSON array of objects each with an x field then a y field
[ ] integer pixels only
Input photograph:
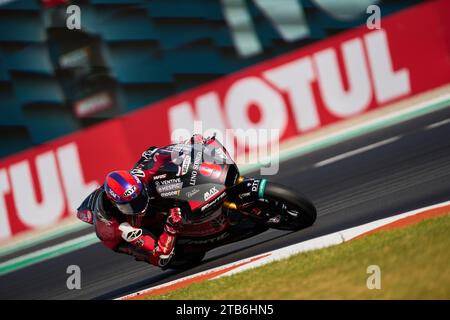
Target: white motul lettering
[
  {"x": 50, "y": 209},
  {"x": 341, "y": 102},
  {"x": 208, "y": 108},
  {"x": 182, "y": 118},
  {"x": 295, "y": 78},
  {"x": 5, "y": 229},
  {"x": 252, "y": 90},
  {"x": 389, "y": 84},
  {"x": 183, "y": 124},
  {"x": 72, "y": 176},
  {"x": 249, "y": 139}
]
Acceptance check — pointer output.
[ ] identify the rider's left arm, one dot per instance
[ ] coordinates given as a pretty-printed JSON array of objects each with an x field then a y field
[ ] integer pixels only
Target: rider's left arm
[{"x": 154, "y": 248}]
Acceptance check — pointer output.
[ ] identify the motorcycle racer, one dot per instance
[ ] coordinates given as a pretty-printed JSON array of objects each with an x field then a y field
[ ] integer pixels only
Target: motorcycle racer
[{"x": 122, "y": 217}]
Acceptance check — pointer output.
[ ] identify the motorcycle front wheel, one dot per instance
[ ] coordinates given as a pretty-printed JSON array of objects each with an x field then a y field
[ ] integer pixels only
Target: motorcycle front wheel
[{"x": 283, "y": 208}]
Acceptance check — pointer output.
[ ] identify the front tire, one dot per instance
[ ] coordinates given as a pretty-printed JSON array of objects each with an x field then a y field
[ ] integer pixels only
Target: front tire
[{"x": 294, "y": 210}]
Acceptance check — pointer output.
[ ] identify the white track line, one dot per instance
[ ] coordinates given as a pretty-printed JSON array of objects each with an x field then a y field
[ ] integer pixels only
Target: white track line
[
  {"x": 283, "y": 253},
  {"x": 437, "y": 124},
  {"x": 369, "y": 125},
  {"x": 356, "y": 151}
]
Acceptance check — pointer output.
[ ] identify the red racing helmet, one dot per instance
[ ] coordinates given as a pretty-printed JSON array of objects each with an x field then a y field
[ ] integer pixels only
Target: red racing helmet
[{"x": 126, "y": 192}]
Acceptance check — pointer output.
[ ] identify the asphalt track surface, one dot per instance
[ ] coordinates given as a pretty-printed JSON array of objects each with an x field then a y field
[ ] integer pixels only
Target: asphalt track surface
[{"x": 398, "y": 169}]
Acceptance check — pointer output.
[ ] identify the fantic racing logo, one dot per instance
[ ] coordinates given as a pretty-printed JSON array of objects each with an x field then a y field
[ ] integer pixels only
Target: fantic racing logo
[{"x": 192, "y": 193}]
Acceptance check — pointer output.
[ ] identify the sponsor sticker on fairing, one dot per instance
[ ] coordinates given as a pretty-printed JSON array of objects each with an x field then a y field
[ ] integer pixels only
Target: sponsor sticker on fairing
[
  {"x": 193, "y": 179},
  {"x": 213, "y": 203},
  {"x": 209, "y": 194},
  {"x": 206, "y": 171},
  {"x": 160, "y": 176},
  {"x": 210, "y": 169},
  {"x": 195, "y": 167},
  {"x": 170, "y": 193},
  {"x": 255, "y": 185},
  {"x": 211, "y": 240},
  {"x": 192, "y": 192},
  {"x": 171, "y": 181},
  {"x": 169, "y": 187},
  {"x": 244, "y": 195}
]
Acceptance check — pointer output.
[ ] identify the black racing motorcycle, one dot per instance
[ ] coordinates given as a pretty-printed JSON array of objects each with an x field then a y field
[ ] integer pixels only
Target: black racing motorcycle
[{"x": 220, "y": 206}]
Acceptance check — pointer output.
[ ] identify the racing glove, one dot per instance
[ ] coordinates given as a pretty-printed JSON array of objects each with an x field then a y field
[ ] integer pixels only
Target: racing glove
[
  {"x": 145, "y": 247},
  {"x": 174, "y": 221}
]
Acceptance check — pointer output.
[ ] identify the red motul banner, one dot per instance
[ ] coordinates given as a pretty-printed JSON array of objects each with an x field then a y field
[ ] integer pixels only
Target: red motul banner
[
  {"x": 347, "y": 75},
  {"x": 43, "y": 185},
  {"x": 336, "y": 79}
]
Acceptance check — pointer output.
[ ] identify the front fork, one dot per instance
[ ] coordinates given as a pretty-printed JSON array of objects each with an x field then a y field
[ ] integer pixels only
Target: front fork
[{"x": 245, "y": 192}]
